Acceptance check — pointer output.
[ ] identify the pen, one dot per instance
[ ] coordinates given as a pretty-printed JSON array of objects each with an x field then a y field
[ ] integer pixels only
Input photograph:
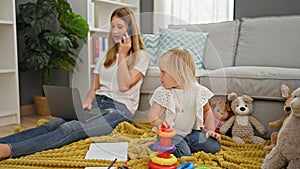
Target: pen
[{"x": 112, "y": 163}]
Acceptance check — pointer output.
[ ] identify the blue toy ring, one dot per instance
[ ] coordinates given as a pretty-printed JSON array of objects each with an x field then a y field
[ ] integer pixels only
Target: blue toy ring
[{"x": 187, "y": 165}]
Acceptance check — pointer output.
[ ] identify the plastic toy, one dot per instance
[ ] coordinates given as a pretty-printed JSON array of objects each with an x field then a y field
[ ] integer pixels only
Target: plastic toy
[
  {"x": 164, "y": 159},
  {"x": 187, "y": 165}
]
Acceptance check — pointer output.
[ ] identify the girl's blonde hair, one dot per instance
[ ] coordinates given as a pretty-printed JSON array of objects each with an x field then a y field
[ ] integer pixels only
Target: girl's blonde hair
[
  {"x": 127, "y": 16},
  {"x": 180, "y": 65}
]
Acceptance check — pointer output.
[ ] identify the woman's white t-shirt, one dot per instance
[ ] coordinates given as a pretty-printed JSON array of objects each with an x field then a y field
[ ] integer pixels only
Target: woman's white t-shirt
[
  {"x": 109, "y": 82},
  {"x": 183, "y": 109}
]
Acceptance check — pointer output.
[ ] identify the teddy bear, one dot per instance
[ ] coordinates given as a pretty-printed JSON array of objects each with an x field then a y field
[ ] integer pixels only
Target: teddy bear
[
  {"x": 287, "y": 94},
  {"x": 222, "y": 112},
  {"x": 286, "y": 153},
  {"x": 242, "y": 122}
]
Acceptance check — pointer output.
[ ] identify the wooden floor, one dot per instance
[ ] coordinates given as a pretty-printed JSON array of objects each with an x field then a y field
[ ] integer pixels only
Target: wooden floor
[{"x": 27, "y": 121}]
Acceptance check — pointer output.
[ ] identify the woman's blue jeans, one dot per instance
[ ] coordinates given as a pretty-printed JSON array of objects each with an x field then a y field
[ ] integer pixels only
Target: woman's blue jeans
[
  {"x": 59, "y": 132},
  {"x": 194, "y": 142}
]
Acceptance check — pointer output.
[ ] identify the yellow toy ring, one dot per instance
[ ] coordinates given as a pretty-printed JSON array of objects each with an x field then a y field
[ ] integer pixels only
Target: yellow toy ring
[
  {"x": 168, "y": 134},
  {"x": 164, "y": 161}
]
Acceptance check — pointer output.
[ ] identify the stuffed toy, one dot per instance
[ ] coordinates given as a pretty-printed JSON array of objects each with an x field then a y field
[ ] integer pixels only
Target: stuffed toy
[
  {"x": 287, "y": 94},
  {"x": 242, "y": 122},
  {"x": 286, "y": 153},
  {"x": 222, "y": 112}
]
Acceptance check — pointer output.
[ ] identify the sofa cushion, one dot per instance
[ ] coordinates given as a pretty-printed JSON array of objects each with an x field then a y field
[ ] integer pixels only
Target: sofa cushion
[
  {"x": 194, "y": 42},
  {"x": 257, "y": 82},
  {"x": 269, "y": 41},
  {"x": 151, "y": 42},
  {"x": 221, "y": 44},
  {"x": 151, "y": 80}
]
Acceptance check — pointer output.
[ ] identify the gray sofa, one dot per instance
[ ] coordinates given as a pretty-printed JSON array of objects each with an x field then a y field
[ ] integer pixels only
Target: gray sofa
[{"x": 251, "y": 56}]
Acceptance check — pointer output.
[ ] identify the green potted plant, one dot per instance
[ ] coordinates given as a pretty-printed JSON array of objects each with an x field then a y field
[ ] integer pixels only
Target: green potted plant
[{"x": 51, "y": 32}]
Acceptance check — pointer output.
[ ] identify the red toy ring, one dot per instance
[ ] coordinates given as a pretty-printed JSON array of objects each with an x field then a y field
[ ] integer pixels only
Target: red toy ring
[{"x": 157, "y": 166}]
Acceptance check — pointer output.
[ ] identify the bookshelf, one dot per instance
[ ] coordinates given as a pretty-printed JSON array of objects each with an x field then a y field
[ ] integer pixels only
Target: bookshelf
[
  {"x": 97, "y": 13},
  {"x": 9, "y": 86}
]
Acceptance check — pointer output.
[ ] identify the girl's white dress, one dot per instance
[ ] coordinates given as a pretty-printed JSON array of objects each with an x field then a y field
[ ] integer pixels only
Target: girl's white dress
[{"x": 182, "y": 109}]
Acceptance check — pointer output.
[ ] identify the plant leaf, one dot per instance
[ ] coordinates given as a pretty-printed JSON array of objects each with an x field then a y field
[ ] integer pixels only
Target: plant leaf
[
  {"x": 63, "y": 7},
  {"x": 34, "y": 60},
  {"x": 27, "y": 14},
  {"x": 45, "y": 12},
  {"x": 59, "y": 41},
  {"x": 74, "y": 23}
]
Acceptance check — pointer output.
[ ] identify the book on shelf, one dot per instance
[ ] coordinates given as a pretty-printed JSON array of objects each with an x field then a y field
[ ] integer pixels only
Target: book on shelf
[{"x": 98, "y": 47}]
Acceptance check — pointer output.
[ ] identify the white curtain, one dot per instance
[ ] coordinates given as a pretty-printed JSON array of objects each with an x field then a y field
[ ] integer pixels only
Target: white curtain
[{"x": 191, "y": 12}]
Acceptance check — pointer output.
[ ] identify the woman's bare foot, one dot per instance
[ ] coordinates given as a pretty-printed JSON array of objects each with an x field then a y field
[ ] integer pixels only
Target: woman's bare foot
[{"x": 5, "y": 151}]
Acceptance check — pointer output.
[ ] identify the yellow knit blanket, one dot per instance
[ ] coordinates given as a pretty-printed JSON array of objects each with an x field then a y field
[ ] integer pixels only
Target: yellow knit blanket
[{"x": 138, "y": 135}]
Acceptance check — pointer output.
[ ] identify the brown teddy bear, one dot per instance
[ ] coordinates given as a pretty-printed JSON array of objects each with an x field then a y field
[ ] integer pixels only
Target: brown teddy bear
[
  {"x": 286, "y": 153},
  {"x": 287, "y": 94},
  {"x": 242, "y": 122}
]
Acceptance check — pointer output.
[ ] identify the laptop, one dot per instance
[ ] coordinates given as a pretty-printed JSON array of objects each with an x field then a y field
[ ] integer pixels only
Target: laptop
[{"x": 65, "y": 102}]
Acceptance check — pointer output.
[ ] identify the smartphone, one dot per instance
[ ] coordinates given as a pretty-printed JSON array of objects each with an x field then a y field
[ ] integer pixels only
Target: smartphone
[{"x": 129, "y": 32}]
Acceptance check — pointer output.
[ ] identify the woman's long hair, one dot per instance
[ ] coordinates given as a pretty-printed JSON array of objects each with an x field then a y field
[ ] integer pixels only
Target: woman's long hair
[{"x": 137, "y": 44}]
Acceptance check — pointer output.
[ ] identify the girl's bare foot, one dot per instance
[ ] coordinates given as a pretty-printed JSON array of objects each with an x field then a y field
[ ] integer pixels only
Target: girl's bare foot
[{"x": 5, "y": 151}]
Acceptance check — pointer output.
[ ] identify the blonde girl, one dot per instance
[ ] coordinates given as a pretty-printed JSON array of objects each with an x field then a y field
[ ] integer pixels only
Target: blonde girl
[{"x": 182, "y": 104}]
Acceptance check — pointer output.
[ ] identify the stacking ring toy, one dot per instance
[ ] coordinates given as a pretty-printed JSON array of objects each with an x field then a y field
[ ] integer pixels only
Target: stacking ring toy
[
  {"x": 164, "y": 161},
  {"x": 158, "y": 147},
  {"x": 166, "y": 132},
  {"x": 157, "y": 166},
  {"x": 187, "y": 165}
]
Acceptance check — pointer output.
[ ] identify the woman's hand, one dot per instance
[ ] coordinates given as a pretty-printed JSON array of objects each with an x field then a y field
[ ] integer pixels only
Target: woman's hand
[
  {"x": 91, "y": 95},
  {"x": 211, "y": 133},
  {"x": 125, "y": 46},
  {"x": 87, "y": 105}
]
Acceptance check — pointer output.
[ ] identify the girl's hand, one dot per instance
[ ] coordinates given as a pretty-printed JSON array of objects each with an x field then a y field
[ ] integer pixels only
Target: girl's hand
[
  {"x": 164, "y": 124},
  {"x": 211, "y": 133},
  {"x": 125, "y": 46}
]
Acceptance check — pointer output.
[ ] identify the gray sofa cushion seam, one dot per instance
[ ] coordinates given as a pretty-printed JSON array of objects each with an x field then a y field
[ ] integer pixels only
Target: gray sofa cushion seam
[{"x": 237, "y": 33}]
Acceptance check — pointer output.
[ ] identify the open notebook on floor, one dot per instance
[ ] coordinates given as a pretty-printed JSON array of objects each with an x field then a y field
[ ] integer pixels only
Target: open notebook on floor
[{"x": 108, "y": 151}]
